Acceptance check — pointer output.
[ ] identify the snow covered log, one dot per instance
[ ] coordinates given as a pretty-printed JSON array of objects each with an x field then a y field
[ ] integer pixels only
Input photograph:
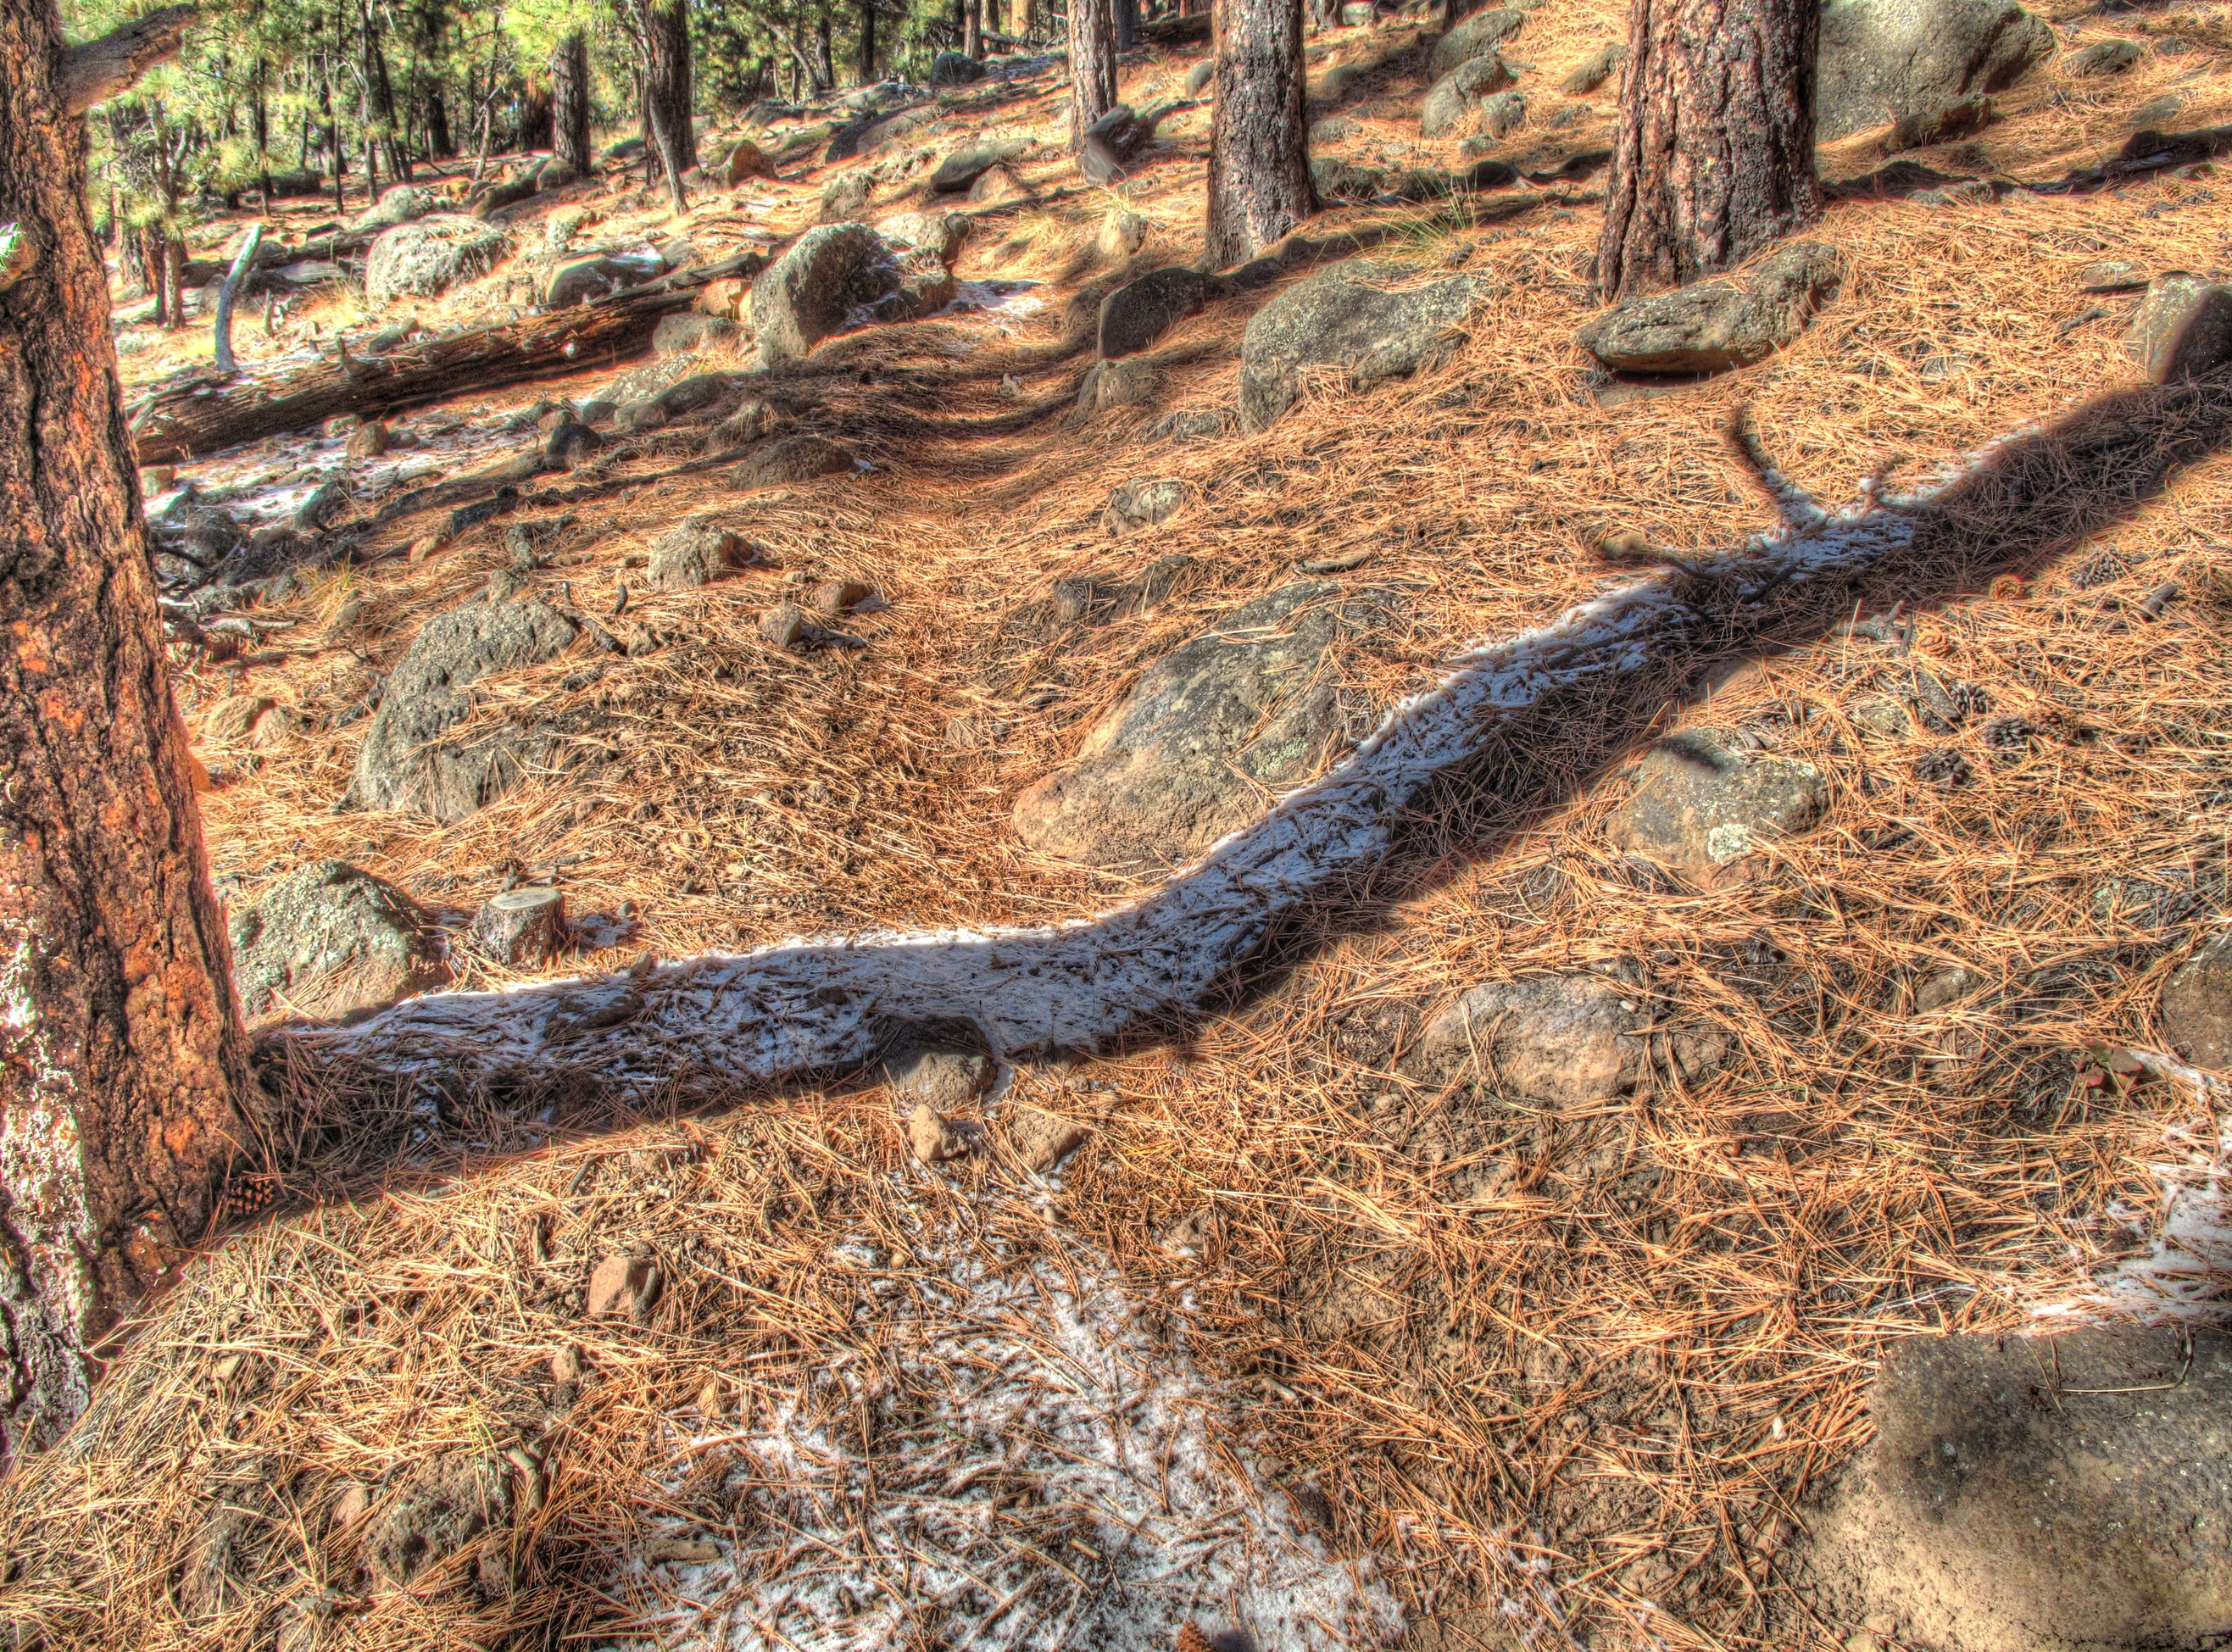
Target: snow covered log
[{"x": 704, "y": 1023}]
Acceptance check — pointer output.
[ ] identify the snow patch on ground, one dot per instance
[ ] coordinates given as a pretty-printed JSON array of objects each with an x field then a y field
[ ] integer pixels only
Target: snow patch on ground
[{"x": 1044, "y": 1473}]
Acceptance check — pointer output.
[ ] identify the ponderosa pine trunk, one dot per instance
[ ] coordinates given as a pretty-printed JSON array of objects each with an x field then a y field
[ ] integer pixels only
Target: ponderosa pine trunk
[
  {"x": 667, "y": 94},
  {"x": 1259, "y": 155},
  {"x": 1714, "y": 155},
  {"x": 1127, "y": 25},
  {"x": 972, "y": 29},
  {"x": 122, "y": 1061},
  {"x": 867, "y": 42},
  {"x": 1092, "y": 66},
  {"x": 569, "y": 82}
]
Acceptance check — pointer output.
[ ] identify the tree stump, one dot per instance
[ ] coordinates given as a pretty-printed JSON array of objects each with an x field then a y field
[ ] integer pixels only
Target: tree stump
[{"x": 521, "y": 927}]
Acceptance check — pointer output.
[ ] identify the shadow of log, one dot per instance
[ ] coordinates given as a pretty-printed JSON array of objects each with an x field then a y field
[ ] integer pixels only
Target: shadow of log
[{"x": 1514, "y": 728}]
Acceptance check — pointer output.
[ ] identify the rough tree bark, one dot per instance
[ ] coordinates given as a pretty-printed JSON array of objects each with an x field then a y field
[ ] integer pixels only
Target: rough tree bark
[
  {"x": 569, "y": 82},
  {"x": 667, "y": 92},
  {"x": 1714, "y": 156},
  {"x": 122, "y": 1061},
  {"x": 972, "y": 29},
  {"x": 1259, "y": 155},
  {"x": 1127, "y": 25},
  {"x": 867, "y": 42},
  {"x": 1092, "y": 66}
]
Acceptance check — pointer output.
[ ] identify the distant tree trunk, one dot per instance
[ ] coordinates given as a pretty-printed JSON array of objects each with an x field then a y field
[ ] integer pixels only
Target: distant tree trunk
[
  {"x": 437, "y": 125},
  {"x": 1715, "y": 154},
  {"x": 825, "y": 60},
  {"x": 1127, "y": 25},
  {"x": 158, "y": 260},
  {"x": 260, "y": 128},
  {"x": 972, "y": 29},
  {"x": 174, "y": 278},
  {"x": 569, "y": 79},
  {"x": 538, "y": 117},
  {"x": 122, "y": 1063},
  {"x": 867, "y": 42},
  {"x": 1092, "y": 66},
  {"x": 666, "y": 94},
  {"x": 1259, "y": 159}
]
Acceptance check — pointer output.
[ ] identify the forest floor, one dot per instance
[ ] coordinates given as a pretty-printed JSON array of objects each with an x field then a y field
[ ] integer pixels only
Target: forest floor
[{"x": 1295, "y": 1341}]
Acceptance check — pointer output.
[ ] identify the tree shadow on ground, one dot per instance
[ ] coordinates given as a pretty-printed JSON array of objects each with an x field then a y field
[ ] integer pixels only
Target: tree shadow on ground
[{"x": 1517, "y": 731}]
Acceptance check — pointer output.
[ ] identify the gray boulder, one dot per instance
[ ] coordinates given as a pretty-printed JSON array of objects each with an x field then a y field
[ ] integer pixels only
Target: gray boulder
[
  {"x": 1565, "y": 1039},
  {"x": 403, "y": 763},
  {"x": 1117, "y": 384},
  {"x": 2196, "y": 1005},
  {"x": 1881, "y": 61},
  {"x": 401, "y": 205},
  {"x": 1345, "y": 317},
  {"x": 1453, "y": 103},
  {"x": 1475, "y": 37},
  {"x": 1185, "y": 758},
  {"x": 1503, "y": 114},
  {"x": 1711, "y": 326},
  {"x": 960, "y": 168},
  {"x": 955, "y": 68},
  {"x": 2040, "y": 1495},
  {"x": 2184, "y": 328},
  {"x": 1201, "y": 79},
  {"x": 697, "y": 553},
  {"x": 833, "y": 274},
  {"x": 589, "y": 278},
  {"x": 1704, "y": 806},
  {"x": 1140, "y": 312},
  {"x": 745, "y": 159},
  {"x": 428, "y": 257},
  {"x": 327, "y": 940}
]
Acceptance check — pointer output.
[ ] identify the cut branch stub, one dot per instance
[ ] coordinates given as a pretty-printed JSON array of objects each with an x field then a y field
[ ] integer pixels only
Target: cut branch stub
[
  {"x": 97, "y": 70},
  {"x": 521, "y": 927}
]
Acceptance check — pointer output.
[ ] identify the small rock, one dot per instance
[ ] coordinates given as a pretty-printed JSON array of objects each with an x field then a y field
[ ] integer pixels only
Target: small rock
[
  {"x": 932, "y": 1138},
  {"x": 696, "y": 554},
  {"x": 834, "y": 596},
  {"x": 942, "y": 1079},
  {"x": 2156, "y": 111},
  {"x": 638, "y": 417},
  {"x": 231, "y": 719},
  {"x": 694, "y": 333},
  {"x": 590, "y": 278},
  {"x": 327, "y": 500},
  {"x": 1503, "y": 114},
  {"x": 2113, "y": 276},
  {"x": 369, "y": 440},
  {"x": 955, "y": 68},
  {"x": 960, "y": 170},
  {"x": 745, "y": 159},
  {"x": 437, "y": 1510},
  {"x": 1702, "y": 805},
  {"x": 1041, "y": 1139},
  {"x": 598, "y": 412},
  {"x": 1122, "y": 234},
  {"x": 156, "y": 478},
  {"x": 327, "y": 940},
  {"x": 1201, "y": 79},
  {"x": 792, "y": 459},
  {"x": 1453, "y": 103},
  {"x": 2196, "y": 1005},
  {"x": 1938, "y": 123},
  {"x": 1474, "y": 37},
  {"x": 1712, "y": 326},
  {"x": 1117, "y": 384},
  {"x": 784, "y": 625},
  {"x": 939, "y": 233},
  {"x": 625, "y": 1283},
  {"x": 570, "y": 444},
  {"x": 2103, "y": 57},
  {"x": 1334, "y": 129},
  {"x": 1144, "y": 503},
  {"x": 1595, "y": 69},
  {"x": 2184, "y": 329},
  {"x": 1138, "y": 312},
  {"x": 1565, "y": 1039},
  {"x": 845, "y": 198}
]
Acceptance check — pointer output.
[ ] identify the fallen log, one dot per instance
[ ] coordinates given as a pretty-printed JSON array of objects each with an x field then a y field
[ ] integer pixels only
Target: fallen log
[{"x": 211, "y": 412}]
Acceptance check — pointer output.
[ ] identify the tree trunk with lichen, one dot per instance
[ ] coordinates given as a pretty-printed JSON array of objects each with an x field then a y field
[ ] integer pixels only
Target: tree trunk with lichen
[
  {"x": 122, "y": 1062},
  {"x": 1259, "y": 156},
  {"x": 1714, "y": 156}
]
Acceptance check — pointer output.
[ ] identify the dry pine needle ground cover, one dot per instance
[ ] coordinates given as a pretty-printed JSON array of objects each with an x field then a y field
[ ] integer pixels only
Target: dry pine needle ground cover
[{"x": 1558, "y": 1375}]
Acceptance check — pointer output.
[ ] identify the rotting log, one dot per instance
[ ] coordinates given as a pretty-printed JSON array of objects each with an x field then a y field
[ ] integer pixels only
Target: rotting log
[{"x": 208, "y": 413}]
